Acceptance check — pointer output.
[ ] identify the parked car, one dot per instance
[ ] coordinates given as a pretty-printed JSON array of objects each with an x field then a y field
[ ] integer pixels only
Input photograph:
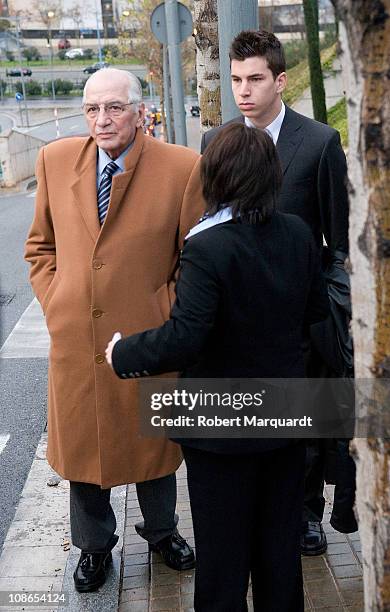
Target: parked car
[
  {"x": 16, "y": 72},
  {"x": 74, "y": 53},
  {"x": 195, "y": 110},
  {"x": 64, "y": 43},
  {"x": 95, "y": 67}
]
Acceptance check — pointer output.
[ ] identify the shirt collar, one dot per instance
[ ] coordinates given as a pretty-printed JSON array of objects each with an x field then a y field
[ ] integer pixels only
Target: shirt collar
[
  {"x": 273, "y": 129},
  {"x": 104, "y": 159},
  {"x": 223, "y": 215}
]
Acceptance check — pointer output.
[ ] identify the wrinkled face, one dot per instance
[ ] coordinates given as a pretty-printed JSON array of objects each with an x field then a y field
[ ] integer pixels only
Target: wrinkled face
[
  {"x": 256, "y": 92},
  {"x": 112, "y": 134}
]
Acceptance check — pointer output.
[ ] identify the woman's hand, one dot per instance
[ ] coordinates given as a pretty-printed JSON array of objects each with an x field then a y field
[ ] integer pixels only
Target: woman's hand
[{"x": 117, "y": 336}]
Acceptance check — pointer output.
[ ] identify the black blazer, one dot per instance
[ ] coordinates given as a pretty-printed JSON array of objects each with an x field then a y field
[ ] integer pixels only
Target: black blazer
[
  {"x": 244, "y": 294},
  {"x": 314, "y": 177}
]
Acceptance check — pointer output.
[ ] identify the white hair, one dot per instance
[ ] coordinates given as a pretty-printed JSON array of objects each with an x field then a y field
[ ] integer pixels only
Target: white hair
[{"x": 134, "y": 85}]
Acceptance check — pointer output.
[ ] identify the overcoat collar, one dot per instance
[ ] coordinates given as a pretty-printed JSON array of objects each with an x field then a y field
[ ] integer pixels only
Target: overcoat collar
[{"x": 84, "y": 187}]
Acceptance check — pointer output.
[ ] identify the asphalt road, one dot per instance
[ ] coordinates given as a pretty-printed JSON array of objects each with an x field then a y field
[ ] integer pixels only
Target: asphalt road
[
  {"x": 69, "y": 71},
  {"x": 22, "y": 381},
  {"x": 75, "y": 126}
]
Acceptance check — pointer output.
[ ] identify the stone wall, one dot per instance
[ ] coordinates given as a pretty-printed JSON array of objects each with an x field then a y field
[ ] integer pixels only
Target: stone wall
[{"x": 18, "y": 154}]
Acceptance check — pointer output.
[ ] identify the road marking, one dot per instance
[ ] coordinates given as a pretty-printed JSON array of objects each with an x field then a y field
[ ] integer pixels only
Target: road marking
[
  {"x": 29, "y": 338},
  {"x": 3, "y": 442},
  {"x": 73, "y": 127}
]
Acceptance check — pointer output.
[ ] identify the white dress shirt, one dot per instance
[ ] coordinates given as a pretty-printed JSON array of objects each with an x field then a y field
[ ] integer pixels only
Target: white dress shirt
[
  {"x": 273, "y": 129},
  {"x": 104, "y": 159}
]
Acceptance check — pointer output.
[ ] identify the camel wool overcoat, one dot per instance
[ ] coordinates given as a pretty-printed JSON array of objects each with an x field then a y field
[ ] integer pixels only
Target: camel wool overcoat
[{"x": 92, "y": 281}]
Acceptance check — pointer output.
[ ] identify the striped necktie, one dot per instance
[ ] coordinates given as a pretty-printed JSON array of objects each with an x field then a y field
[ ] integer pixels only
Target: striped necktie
[{"x": 103, "y": 195}]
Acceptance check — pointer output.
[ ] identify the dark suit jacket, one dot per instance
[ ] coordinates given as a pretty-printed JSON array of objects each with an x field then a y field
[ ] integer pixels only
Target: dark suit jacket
[
  {"x": 244, "y": 294},
  {"x": 314, "y": 177},
  {"x": 315, "y": 188}
]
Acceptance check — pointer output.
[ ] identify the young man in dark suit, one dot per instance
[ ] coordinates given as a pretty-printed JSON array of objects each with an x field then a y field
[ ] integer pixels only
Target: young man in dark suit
[{"x": 314, "y": 188}]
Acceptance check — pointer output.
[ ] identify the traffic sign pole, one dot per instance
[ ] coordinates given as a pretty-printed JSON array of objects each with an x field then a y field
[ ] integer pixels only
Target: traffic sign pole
[
  {"x": 167, "y": 94},
  {"x": 171, "y": 23},
  {"x": 173, "y": 30}
]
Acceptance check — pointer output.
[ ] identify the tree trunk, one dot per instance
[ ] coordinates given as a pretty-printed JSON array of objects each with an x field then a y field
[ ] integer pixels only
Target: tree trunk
[
  {"x": 365, "y": 38},
  {"x": 207, "y": 63},
  {"x": 310, "y": 9}
]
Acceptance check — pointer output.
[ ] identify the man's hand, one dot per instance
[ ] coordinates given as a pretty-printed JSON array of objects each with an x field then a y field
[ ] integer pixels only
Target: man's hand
[{"x": 117, "y": 336}]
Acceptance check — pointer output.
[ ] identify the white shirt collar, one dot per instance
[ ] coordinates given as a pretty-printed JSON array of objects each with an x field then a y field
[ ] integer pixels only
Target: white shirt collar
[
  {"x": 225, "y": 214},
  {"x": 274, "y": 127},
  {"x": 104, "y": 159}
]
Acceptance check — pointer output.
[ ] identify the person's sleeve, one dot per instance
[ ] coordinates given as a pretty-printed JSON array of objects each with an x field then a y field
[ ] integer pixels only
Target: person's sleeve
[
  {"x": 40, "y": 248},
  {"x": 178, "y": 343},
  {"x": 333, "y": 195},
  {"x": 317, "y": 305}
]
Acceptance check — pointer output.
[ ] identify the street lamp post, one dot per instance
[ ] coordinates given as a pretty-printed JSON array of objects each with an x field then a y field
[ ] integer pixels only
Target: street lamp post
[{"x": 50, "y": 15}]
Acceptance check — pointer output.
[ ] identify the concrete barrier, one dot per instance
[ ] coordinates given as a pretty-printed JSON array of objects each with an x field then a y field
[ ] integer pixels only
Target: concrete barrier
[{"x": 18, "y": 154}]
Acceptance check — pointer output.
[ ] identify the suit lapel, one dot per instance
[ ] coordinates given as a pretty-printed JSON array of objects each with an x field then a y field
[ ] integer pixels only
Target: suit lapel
[
  {"x": 84, "y": 187},
  {"x": 290, "y": 137}
]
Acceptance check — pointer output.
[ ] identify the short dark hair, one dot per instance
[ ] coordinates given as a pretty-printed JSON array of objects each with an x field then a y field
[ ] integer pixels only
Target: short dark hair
[
  {"x": 253, "y": 43},
  {"x": 241, "y": 169}
]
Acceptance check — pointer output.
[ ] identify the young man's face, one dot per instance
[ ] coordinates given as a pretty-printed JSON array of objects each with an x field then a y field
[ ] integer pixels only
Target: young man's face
[{"x": 256, "y": 92}]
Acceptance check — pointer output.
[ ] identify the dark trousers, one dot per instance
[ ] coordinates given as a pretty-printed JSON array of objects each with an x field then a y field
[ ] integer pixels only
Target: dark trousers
[
  {"x": 314, "y": 503},
  {"x": 92, "y": 519},
  {"x": 246, "y": 511}
]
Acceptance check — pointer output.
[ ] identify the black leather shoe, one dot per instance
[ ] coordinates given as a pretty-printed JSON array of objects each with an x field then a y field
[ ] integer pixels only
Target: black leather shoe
[
  {"x": 313, "y": 539},
  {"x": 175, "y": 551},
  {"x": 91, "y": 571}
]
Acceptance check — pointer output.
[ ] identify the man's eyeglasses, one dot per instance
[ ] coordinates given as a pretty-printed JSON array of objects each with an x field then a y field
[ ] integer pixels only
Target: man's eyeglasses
[{"x": 112, "y": 109}]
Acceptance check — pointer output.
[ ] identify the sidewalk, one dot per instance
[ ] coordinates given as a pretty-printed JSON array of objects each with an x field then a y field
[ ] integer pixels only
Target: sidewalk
[
  {"x": 332, "y": 582},
  {"x": 37, "y": 556}
]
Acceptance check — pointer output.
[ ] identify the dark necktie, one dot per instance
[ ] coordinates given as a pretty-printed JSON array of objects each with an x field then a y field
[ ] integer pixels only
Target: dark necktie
[{"x": 104, "y": 191}]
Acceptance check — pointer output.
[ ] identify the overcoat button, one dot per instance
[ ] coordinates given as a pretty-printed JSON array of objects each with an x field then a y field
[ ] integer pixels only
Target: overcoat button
[
  {"x": 99, "y": 358},
  {"x": 96, "y": 313},
  {"x": 96, "y": 264}
]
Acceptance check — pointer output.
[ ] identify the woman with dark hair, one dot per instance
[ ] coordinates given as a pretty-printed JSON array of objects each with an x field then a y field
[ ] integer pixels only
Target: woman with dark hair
[{"x": 249, "y": 282}]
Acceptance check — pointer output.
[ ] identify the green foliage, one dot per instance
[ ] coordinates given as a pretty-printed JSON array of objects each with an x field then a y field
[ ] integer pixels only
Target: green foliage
[
  {"x": 299, "y": 77},
  {"x": 61, "y": 86},
  {"x": 88, "y": 54},
  {"x": 295, "y": 51},
  {"x": 310, "y": 10},
  {"x": 61, "y": 54},
  {"x": 4, "y": 25},
  {"x": 330, "y": 36},
  {"x": 33, "y": 88},
  {"x": 337, "y": 118},
  {"x": 110, "y": 51},
  {"x": 31, "y": 54},
  {"x": 144, "y": 85},
  {"x": 10, "y": 56}
]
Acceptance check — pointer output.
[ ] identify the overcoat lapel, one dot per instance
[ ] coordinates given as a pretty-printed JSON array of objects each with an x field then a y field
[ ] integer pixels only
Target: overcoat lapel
[
  {"x": 121, "y": 181},
  {"x": 84, "y": 187},
  {"x": 290, "y": 137}
]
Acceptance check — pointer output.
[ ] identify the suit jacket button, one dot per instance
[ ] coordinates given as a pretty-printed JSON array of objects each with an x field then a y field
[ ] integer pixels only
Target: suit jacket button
[
  {"x": 96, "y": 264},
  {"x": 99, "y": 358},
  {"x": 96, "y": 313}
]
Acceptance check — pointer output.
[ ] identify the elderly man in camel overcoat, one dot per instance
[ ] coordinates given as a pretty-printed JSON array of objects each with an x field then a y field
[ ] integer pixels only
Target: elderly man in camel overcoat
[{"x": 103, "y": 249}]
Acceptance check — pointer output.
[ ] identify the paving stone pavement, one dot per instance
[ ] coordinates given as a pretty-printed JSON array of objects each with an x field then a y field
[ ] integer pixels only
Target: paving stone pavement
[{"x": 332, "y": 582}]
